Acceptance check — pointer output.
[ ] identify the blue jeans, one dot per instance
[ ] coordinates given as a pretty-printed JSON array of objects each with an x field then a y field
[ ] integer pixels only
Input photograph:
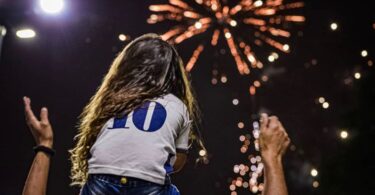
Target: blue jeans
[{"x": 102, "y": 184}]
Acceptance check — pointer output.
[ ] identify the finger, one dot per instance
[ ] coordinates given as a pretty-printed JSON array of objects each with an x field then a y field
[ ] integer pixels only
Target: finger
[
  {"x": 287, "y": 142},
  {"x": 273, "y": 122},
  {"x": 282, "y": 128},
  {"x": 30, "y": 117},
  {"x": 44, "y": 115},
  {"x": 274, "y": 118},
  {"x": 284, "y": 132},
  {"x": 263, "y": 121}
]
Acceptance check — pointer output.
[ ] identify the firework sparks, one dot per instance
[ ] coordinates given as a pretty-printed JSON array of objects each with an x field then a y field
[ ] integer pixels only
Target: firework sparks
[{"x": 265, "y": 21}]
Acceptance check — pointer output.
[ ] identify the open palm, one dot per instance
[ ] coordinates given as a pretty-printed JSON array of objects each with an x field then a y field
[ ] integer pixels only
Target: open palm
[{"x": 41, "y": 129}]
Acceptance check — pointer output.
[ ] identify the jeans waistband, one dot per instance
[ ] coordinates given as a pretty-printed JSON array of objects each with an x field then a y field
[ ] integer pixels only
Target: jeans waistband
[{"x": 130, "y": 181}]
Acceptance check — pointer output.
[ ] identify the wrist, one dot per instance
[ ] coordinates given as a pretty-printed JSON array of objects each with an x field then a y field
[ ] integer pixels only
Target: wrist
[
  {"x": 46, "y": 150},
  {"x": 46, "y": 143},
  {"x": 271, "y": 159}
]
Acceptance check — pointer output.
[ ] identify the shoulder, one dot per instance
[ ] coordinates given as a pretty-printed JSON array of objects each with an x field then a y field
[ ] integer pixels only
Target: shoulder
[
  {"x": 174, "y": 104},
  {"x": 171, "y": 100}
]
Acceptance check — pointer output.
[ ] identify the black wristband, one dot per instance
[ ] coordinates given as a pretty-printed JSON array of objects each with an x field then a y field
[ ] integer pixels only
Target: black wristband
[{"x": 49, "y": 151}]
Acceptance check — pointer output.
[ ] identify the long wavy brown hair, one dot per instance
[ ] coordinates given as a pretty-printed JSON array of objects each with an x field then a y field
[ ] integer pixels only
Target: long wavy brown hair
[{"x": 146, "y": 68}]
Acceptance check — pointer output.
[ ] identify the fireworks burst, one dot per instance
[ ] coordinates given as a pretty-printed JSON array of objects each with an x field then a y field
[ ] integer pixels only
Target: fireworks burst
[{"x": 259, "y": 22}]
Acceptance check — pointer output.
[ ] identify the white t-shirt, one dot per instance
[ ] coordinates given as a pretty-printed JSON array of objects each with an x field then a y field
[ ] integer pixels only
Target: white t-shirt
[{"x": 144, "y": 143}]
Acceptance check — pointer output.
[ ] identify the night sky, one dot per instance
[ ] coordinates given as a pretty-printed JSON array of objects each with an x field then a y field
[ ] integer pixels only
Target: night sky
[{"x": 64, "y": 64}]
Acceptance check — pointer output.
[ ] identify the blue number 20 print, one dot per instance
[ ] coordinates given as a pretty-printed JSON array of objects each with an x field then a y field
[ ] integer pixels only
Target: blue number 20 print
[{"x": 149, "y": 117}]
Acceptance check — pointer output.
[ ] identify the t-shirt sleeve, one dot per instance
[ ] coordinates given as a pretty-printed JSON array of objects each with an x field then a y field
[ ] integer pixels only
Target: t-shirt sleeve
[{"x": 182, "y": 142}]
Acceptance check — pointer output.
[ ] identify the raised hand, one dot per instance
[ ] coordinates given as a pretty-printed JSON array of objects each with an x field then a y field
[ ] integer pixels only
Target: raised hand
[
  {"x": 274, "y": 140},
  {"x": 41, "y": 129}
]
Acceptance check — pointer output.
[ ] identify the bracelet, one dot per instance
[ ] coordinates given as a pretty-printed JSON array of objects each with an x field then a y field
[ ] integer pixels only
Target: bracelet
[{"x": 49, "y": 151}]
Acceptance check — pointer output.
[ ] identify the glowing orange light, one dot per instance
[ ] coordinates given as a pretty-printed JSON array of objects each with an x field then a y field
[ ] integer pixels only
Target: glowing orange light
[
  {"x": 215, "y": 37},
  {"x": 252, "y": 90},
  {"x": 194, "y": 58}
]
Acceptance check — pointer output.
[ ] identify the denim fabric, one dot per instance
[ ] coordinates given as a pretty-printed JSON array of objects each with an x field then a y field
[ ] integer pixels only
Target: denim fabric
[{"x": 102, "y": 184}]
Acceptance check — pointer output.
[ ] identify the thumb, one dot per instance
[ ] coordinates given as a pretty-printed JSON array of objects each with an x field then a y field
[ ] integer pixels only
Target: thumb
[
  {"x": 44, "y": 115},
  {"x": 263, "y": 121}
]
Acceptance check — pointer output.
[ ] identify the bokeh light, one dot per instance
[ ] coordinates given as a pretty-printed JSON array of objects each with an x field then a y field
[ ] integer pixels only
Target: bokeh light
[
  {"x": 26, "y": 33},
  {"x": 51, "y": 6}
]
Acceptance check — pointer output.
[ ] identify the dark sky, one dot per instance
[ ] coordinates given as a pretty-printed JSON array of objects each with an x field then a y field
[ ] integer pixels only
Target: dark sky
[{"x": 64, "y": 64}]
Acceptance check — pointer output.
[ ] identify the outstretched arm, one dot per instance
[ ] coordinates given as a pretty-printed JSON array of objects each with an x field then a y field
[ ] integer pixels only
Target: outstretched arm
[
  {"x": 36, "y": 182},
  {"x": 273, "y": 143}
]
